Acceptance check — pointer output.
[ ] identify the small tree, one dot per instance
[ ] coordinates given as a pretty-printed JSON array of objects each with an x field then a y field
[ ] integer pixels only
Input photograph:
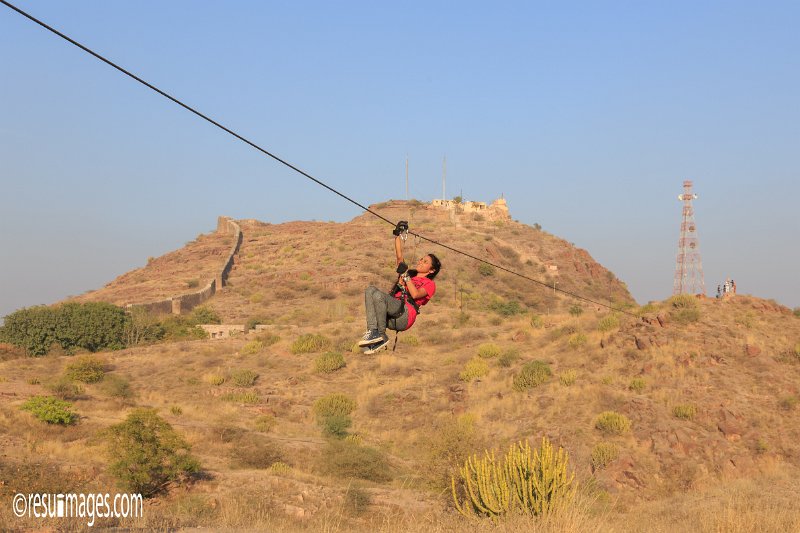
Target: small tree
[{"x": 147, "y": 453}]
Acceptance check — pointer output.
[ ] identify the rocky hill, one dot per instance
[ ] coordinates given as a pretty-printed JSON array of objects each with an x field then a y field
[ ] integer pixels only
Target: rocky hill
[{"x": 684, "y": 419}]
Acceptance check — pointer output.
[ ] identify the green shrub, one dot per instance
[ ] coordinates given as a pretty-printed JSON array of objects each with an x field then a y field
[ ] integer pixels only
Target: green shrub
[
  {"x": 508, "y": 358},
  {"x": 192, "y": 283},
  {"x": 506, "y": 309},
  {"x": 176, "y": 410},
  {"x": 249, "y": 397},
  {"x": 607, "y": 323},
  {"x": 474, "y": 369},
  {"x": 33, "y": 329},
  {"x": 487, "y": 351},
  {"x": 796, "y": 312},
  {"x": 637, "y": 385},
  {"x": 264, "y": 423},
  {"x": 142, "y": 327},
  {"x": 244, "y": 378},
  {"x": 252, "y": 347},
  {"x": 575, "y": 310},
  {"x": 568, "y": 377},
  {"x": 335, "y": 425},
  {"x": 65, "y": 389},
  {"x": 147, "y": 453},
  {"x": 86, "y": 369},
  {"x": 685, "y": 316},
  {"x": 532, "y": 374},
  {"x": 603, "y": 454},
  {"x": 51, "y": 410},
  {"x": 92, "y": 326},
  {"x": 577, "y": 340},
  {"x": 684, "y": 411},
  {"x": 117, "y": 387},
  {"x": 537, "y": 322},
  {"x": 683, "y": 301},
  {"x": 356, "y": 500},
  {"x": 203, "y": 314},
  {"x": 309, "y": 343},
  {"x": 346, "y": 459},
  {"x": 329, "y": 362},
  {"x": 612, "y": 423},
  {"x": 334, "y": 404},
  {"x": 486, "y": 270}
]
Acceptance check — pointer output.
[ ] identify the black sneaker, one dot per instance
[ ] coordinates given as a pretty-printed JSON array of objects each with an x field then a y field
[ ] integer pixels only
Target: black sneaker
[
  {"x": 371, "y": 337},
  {"x": 382, "y": 341}
]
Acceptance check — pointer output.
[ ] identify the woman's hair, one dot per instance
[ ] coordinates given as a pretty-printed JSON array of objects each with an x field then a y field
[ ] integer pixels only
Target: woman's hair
[{"x": 436, "y": 265}]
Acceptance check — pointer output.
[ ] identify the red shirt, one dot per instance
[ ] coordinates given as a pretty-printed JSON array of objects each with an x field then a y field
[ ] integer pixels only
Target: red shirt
[{"x": 430, "y": 289}]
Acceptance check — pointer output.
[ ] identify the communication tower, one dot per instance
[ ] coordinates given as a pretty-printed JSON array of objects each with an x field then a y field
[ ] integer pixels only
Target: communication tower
[{"x": 689, "y": 270}]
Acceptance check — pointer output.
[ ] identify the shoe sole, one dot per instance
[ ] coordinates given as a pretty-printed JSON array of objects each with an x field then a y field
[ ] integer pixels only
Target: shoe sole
[
  {"x": 375, "y": 347},
  {"x": 365, "y": 342}
]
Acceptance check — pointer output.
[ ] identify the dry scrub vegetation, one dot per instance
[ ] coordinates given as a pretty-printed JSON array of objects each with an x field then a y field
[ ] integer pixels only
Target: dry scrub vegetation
[{"x": 687, "y": 427}]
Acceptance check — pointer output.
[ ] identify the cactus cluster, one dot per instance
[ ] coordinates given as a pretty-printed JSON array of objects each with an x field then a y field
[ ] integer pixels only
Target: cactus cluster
[{"x": 534, "y": 482}]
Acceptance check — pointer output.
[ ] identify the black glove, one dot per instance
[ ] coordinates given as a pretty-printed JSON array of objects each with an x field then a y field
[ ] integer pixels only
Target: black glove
[
  {"x": 411, "y": 272},
  {"x": 401, "y": 268},
  {"x": 401, "y": 227}
]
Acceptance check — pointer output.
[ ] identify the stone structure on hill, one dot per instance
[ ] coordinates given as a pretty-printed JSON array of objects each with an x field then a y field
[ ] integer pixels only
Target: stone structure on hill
[{"x": 497, "y": 210}]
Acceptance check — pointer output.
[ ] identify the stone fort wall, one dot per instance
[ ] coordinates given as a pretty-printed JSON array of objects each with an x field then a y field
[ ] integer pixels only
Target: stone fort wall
[{"x": 186, "y": 302}]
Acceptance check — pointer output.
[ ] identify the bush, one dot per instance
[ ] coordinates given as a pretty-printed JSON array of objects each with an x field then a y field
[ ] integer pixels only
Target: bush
[
  {"x": 607, "y": 323},
  {"x": 204, "y": 314},
  {"x": 264, "y": 423},
  {"x": 486, "y": 270},
  {"x": 537, "y": 322},
  {"x": 603, "y": 454},
  {"x": 788, "y": 403},
  {"x": 612, "y": 423},
  {"x": 508, "y": 358},
  {"x": 474, "y": 369},
  {"x": 329, "y": 362},
  {"x": 117, "y": 387},
  {"x": 451, "y": 442},
  {"x": 147, "y": 453},
  {"x": 309, "y": 343},
  {"x": 568, "y": 377},
  {"x": 575, "y": 310},
  {"x": 33, "y": 329},
  {"x": 214, "y": 379},
  {"x": 532, "y": 374},
  {"x": 334, "y": 404},
  {"x": 244, "y": 378},
  {"x": 249, "y": 397},
  {"x": 796, "y": 312},
  {"x": 487, "y": 351},
  {"x": 65, "y": 389},
  {"x": 347, "y": 459},
  {"x": 506, "y": 309},
  {"x": 637, "y": 385},
  {"x": 535, "y": 483},
  {"x": 93, "y": 326},
  {"x": 51, "y": 410},
  {"x": 142, "y": 327},
  {"x": 252, "y": 347},
  {"x": 684, "y": 411},
  {"x": 577, "y": 340},
  {"x": 280, "y": 468},
  {"x": 256, "y": 452},
  {"x": 685, "y": 309},
  {"x": 86, "y": 369},
  {"x": 335, "y": 425}
]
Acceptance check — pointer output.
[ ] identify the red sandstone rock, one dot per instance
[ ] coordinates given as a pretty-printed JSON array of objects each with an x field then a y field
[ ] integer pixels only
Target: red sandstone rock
[{"x": 752, "y": 350}]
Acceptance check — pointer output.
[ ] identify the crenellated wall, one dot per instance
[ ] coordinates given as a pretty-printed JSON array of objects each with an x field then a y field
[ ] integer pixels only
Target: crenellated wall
[{"x": 186, "y": 302}]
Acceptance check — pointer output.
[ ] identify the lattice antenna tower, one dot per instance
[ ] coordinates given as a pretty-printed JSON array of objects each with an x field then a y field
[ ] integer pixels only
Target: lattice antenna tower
[{"x": 689, "y": 269}]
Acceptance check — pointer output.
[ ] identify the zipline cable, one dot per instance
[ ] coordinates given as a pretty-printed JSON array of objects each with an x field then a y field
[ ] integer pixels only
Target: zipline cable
[{"x": 284, "y": 162}]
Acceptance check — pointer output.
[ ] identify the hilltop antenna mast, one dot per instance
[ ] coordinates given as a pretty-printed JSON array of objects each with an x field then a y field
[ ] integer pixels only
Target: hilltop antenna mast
[
  {"x": 689, "y": 269},
  {"x": 406, "y": 177},
  {"x": 444, "y": 176}
]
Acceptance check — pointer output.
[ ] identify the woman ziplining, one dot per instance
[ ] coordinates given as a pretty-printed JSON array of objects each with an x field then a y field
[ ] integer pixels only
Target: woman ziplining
[{"x": 398, "y": 309}]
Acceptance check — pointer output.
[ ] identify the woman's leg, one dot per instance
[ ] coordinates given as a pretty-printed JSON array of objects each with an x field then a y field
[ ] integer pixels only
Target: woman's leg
[{"x": 369, "y": 306}]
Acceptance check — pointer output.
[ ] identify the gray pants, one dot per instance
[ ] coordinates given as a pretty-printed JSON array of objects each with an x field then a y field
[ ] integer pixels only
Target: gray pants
[{"x": 379, "y": 306}]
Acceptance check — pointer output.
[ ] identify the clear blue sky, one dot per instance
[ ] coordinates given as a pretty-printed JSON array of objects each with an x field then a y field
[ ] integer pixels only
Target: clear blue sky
[{"x": 587, "y": 116}]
